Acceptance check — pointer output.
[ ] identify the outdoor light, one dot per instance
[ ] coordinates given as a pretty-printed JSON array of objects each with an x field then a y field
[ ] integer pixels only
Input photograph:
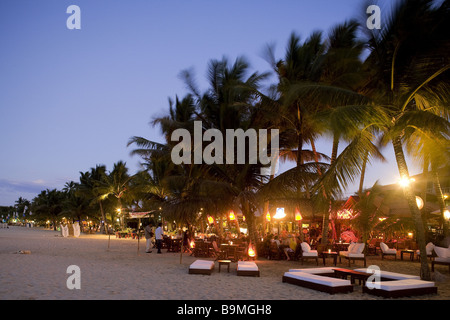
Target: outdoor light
[
  {"x": 404, "y": 182},
  {"x": 419, "y": 202},
  {"x": 298, "y": 215},
  {"x": 280, "y": 213},
  {"x": 268, "y": 218},
  {"x": 210, "y": 220},
  {"x": 447, "y": 214},
  {"x": 232, "y": 216},
  {"x": 251, "y": 252}
]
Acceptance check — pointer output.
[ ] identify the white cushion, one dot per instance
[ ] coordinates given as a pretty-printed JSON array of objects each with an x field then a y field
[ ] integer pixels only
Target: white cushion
[
  {"x": 344, "y": 253},
  {"x": 442, "y": 252},
  {"x": 356, "y": 255},
  {"x": 392, "y": 251},
  {"x": 439, "y": 259},
  {"x": 305, "y": 247},
  {"x": 202, "y": 264},
  {"x": 391, "y": 275},
  {"x": 315, "y": 270},
  {"x": 247, "y": 266},
  {"x": 404, "y": 284},
  {"x": 327, "y": 281},
  {"x": 311, "y": 253},
  {"x": 359, "y": 248},
  {"x": 351, "y": 247}
]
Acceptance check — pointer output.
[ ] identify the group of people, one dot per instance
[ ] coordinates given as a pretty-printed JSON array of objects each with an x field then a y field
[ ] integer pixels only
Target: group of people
[{"x": 159, "y": 236}]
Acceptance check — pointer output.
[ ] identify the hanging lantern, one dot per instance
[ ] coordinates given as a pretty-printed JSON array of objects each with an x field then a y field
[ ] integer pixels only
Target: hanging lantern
[
  {"x": 268, "y": 218},
  {"x": 232, "y": 216},
  {"x": 192, "y": 244},
  {"x": 210, "y": 220},
  {"x": 298, "y": 215}
]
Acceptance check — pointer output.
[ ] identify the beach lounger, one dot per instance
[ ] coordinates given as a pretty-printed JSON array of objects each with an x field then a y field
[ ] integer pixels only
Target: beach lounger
[
  {"x": 247, "y": 268},
  {"x": 442, "y": 257},
  {"x": 385, "y": 251},
  {"x": 386, "y": 275},
  {"x": 401, "y": 288},
  {"x": 201, "y": 267},
  {"x": 354, "y": 252},
  {"x": 318, "y": 282},
  {"x": 325, "y": 271}
]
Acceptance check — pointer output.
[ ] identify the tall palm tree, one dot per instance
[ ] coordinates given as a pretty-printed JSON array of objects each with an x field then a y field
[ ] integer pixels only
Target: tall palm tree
[{"x": 409, "y": 66}]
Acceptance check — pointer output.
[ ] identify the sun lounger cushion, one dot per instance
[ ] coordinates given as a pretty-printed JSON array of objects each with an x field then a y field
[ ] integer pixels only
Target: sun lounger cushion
[
  {"x": 312, "y": 253},
  {"x": 445, "y": 260},
  {"x": 405, "y": 284},
  {"x": 305, "y": 247},
  {"x": 351, "y": 255},
  {"x": 392, "y": 275},
  {"x": 384, "y": 247},
  {"x": 315, "y": 270},
  {"x": 326, "y": 281},
  {"x": 247, "y": 266},
  {"x": 202, "y": 264},
  {"x": 429, "y": 248},
  {"x": 442, "y": 252}
]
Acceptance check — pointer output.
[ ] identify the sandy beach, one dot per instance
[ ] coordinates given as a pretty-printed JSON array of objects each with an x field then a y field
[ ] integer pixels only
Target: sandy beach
[{"x": 124, "y": 273}]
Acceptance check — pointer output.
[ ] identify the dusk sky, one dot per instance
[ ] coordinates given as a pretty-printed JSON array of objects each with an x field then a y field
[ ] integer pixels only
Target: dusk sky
[{"x": 71, "y": 99}]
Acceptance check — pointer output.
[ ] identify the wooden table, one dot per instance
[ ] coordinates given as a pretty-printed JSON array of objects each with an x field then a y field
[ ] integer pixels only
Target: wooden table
[
  {"x": 326, "y": 254},
  {"x": 224, "y": 262},
  {"x": 343, "y": 273},
  {"x": 411, "y": 254}
]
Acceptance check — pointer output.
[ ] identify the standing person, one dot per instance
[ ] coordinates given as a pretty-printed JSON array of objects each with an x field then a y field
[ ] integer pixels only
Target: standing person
[
  {"x": 148, "y": 236},
  {"x": 159, "y": 236}
]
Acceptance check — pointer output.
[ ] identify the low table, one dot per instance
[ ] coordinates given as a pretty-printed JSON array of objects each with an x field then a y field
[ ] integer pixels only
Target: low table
[
  {"x": 224, "y": 262},
  {"x": 411, "y": 254},
  {"x": 343, "y": 273},
  {"x": 326, "y": 254}
]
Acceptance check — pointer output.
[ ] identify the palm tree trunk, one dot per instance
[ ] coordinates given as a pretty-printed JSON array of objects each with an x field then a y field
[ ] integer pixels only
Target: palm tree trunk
[
  {"x": 326, "y": 215},
  {"x": 363, "y": 171},
  {"x": 415, "y": 213}
]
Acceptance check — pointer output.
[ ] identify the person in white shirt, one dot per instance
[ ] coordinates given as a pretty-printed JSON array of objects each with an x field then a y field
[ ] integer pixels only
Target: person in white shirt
[{"x": 159, "y": 237}]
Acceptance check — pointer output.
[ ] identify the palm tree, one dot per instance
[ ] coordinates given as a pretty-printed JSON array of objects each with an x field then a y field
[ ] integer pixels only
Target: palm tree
[
  {"x": 409, "y": 66},
  {"x": 88, "y": 189},
  {"x": 367, "y": 211},
  {"x": 48, "y": 205}
]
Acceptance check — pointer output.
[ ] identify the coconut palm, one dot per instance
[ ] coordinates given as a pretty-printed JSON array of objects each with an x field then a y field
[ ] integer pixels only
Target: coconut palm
[{"x": 409, "y": 65}]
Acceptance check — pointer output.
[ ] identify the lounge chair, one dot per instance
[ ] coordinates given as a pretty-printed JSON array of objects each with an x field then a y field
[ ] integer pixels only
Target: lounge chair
[
  {"x": 401, "y": 288},
  {"x": 322, "y": 283},
  {"x": 442, "y": 257},
  {"x": 247, "y": 268},
  {"x": 307, "y": 253},
  {"x": 429, "y": 249},
  {"x": 386, "y": 251},
  {"x": 201, "y": 267},
  {"x": 354, "y": 252}
]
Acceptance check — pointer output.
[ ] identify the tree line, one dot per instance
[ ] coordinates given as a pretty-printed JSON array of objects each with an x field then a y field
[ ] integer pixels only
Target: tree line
[{"x": 367, "y": 89}]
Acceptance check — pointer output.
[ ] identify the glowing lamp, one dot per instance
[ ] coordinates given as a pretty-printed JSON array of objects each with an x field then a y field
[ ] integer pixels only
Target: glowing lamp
[
  {"x": 268, "y": 218},
  {"x": 446, "y": 214},
  {"x": 298, "y": 215},
  {"x": 280, "y": 213},
  {"x": 232, "y": 216},
  {"x": 419, "y": 202},
  {"x": 251, "y": 252},
  {"x": 192, "y": 244},
  {"x": 210, "y": 220},
  {"x": 404, "y": 182}
]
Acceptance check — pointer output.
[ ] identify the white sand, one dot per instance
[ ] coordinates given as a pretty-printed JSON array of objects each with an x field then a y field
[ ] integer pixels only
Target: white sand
[{"x": 124, "y": 273}]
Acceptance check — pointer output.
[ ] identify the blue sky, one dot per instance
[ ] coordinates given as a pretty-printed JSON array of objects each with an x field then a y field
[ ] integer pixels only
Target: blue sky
[{"x": 71, "y": 99}]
